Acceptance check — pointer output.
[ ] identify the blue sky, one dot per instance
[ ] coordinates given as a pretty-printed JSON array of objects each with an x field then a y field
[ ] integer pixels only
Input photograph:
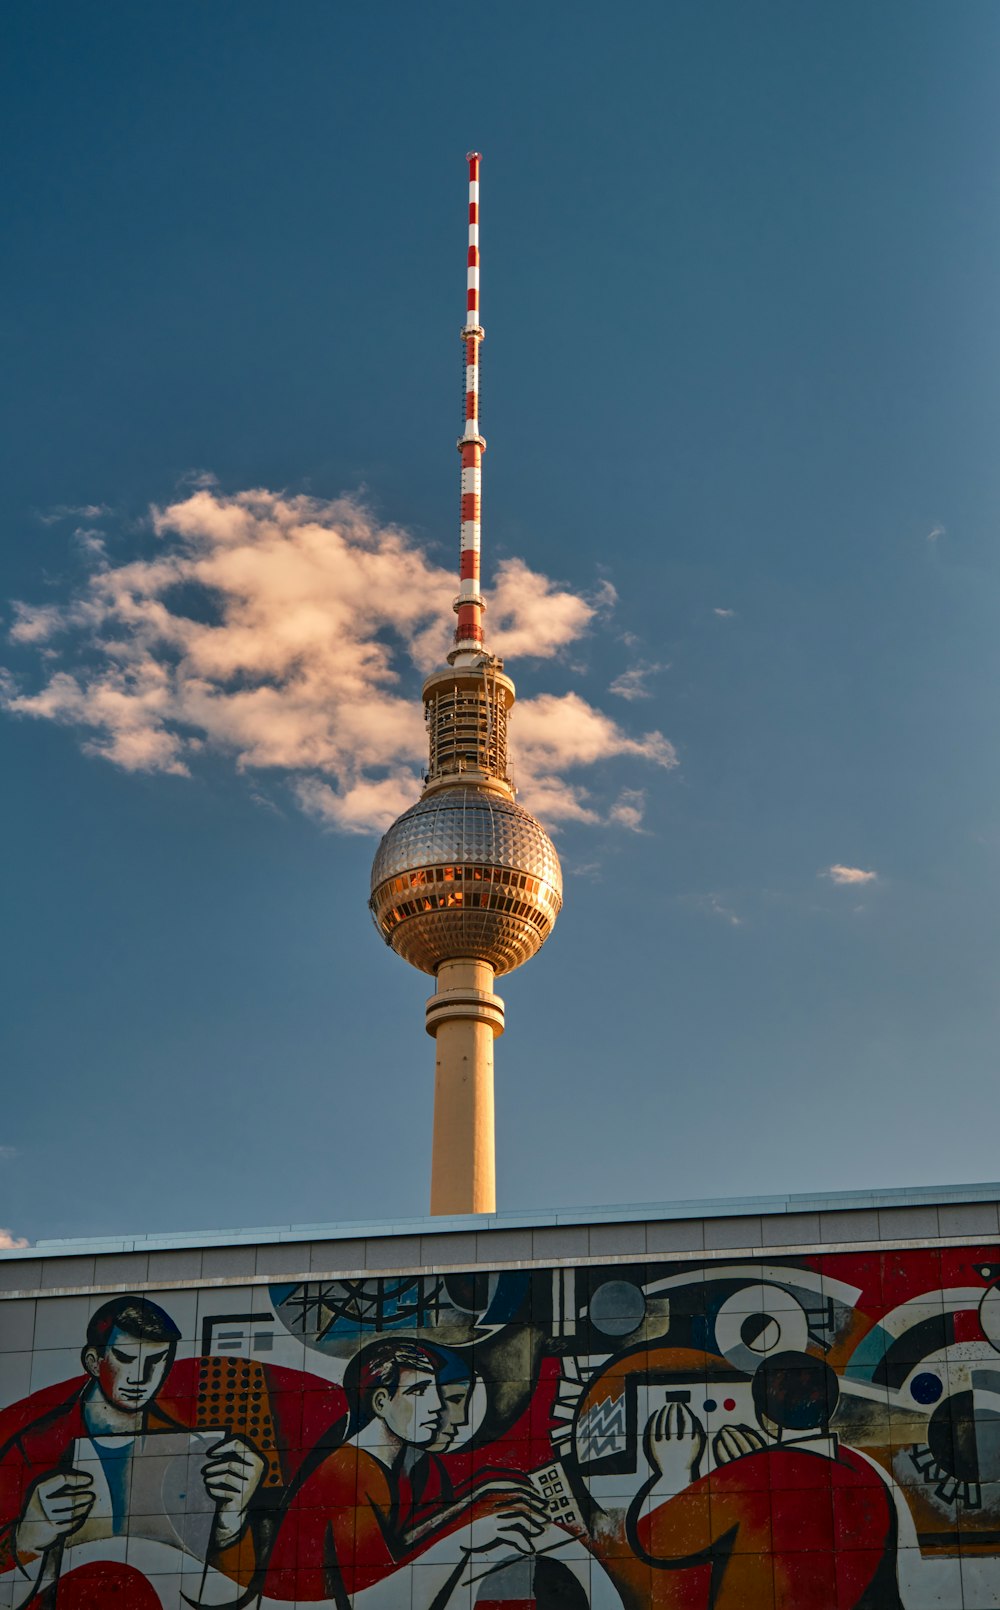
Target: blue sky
[{"x": 742, "y": 358}]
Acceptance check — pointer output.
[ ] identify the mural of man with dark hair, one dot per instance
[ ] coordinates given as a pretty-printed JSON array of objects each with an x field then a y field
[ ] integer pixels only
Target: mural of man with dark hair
[
  {"x": 799, "y": 1521},
  {"x": 44, "y": 1501},
  {"x": 354, "y": 1517}
]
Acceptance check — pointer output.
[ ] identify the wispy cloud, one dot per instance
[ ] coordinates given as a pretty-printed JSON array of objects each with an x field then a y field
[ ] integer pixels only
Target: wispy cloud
[
  {"x": 716, "y": 907},
  {"x": 284, "y": 632},
  {"x": 937, "y": 532},
  {"x": 848, "y": 874},
  {"x": 629, "y": 809},
  {"x": 72, "y": 511},
  {"x": 7, "y": 1153},
  {"x": 724, "y": 614},
  {"x": 631, "y": 684},
  {"x": 10, "y": 1242},
  {"x": 582, "y": 869},
  {"x": 91, "y": 542}
]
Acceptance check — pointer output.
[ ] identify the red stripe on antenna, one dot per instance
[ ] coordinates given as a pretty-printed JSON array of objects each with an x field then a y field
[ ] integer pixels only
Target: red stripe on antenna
[{"x": 469, "y": 631}]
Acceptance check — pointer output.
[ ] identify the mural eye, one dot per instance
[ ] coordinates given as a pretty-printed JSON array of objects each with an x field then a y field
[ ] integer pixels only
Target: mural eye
[{"x": 757, "y": 1320}]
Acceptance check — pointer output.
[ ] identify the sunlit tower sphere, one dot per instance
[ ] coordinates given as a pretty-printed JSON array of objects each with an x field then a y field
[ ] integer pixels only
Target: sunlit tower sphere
[{"x": 466, "y": 884}]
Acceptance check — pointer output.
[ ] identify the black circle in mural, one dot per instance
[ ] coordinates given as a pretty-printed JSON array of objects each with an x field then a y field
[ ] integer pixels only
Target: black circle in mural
[
  {"x": 556, "y": 1588},
  {"x": 951, "y": 1436},
  {"x": 761, "y": 1332},
  {"x": 925, "y": 1387},
  {"x": 471, "y": 1292}
]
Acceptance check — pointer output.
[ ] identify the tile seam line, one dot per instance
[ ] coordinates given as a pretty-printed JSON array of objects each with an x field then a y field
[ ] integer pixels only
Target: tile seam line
[{"x": 585, "y": 1260}]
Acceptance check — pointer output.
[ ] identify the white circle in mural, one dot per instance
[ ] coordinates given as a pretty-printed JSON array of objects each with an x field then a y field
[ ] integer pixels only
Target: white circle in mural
[{"x": 757, "y": 1321}]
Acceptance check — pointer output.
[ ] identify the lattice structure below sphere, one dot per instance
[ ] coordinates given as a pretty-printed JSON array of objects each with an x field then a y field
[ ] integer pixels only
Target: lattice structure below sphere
[{"x": 466, "y": 872}]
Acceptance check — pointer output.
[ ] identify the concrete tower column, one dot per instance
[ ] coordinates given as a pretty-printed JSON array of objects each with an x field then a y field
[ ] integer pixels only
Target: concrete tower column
[{"x": 464, "y": 1017}]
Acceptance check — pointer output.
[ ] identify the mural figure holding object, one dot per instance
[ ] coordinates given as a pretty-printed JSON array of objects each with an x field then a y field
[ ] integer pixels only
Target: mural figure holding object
[{"x": 70, "y": 1476}]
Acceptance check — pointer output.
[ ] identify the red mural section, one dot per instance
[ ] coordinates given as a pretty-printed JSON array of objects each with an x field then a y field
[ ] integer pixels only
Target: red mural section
[{"x": 815, "y": 1432}]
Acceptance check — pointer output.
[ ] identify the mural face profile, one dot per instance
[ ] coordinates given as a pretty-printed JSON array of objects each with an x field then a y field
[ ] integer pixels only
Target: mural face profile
[{"x": 810, "y": 1433}]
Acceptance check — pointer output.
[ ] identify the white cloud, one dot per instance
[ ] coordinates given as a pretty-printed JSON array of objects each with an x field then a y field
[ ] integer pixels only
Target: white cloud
[
  {"x": 552, "y": 734},
  {"x": 10, "y": 1242},
  {"x": 528, "y": 615},
  {"x": 631, "y": 684},
  {"x": 7, "y": 1153},
  {"x": 360, "y": 807},
  {"x": 35, "y": 623},
  {"x": 284, "y": 632},
  {"x": 724, "y": 614},
  {"x": 848, "y": 874},
  {"x": 938, "y": 531}
]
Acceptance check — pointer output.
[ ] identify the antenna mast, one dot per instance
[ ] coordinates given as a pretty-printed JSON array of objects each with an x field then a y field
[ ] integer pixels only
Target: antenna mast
[{"x": 470, "y": 604}]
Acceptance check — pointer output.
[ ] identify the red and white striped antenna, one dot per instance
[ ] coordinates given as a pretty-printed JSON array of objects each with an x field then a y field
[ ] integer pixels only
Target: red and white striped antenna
[{"x": 470, "y": 604}]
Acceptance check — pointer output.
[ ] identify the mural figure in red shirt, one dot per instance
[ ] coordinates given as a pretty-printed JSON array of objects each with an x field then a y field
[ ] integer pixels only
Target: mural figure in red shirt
[
  {"x": 788, "y": 1519},
  {"x": 382, "y": 1499}
]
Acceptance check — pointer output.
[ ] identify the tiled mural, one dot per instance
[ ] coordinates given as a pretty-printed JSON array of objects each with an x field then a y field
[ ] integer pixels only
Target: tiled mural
[{"x": 814, "y": 1432}]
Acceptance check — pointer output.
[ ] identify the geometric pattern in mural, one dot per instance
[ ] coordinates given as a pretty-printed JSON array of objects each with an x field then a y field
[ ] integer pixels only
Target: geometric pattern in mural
[{"x": 804, "y": 1433}]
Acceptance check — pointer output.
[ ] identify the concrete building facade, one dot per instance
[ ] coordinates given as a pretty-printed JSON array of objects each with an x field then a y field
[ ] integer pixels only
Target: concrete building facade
[{"x": 768, "y": 1403}]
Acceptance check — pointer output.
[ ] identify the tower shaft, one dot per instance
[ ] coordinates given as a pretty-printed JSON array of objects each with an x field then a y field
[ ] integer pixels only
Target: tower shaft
[{"x": 464, "y": 1017}]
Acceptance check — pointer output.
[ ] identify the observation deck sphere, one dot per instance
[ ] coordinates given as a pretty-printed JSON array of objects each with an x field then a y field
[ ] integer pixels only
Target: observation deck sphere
[{"x": 466, "y": 873}]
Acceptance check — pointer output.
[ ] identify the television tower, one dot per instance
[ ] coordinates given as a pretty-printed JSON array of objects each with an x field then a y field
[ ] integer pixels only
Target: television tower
[{"x": 466, "y": 884}]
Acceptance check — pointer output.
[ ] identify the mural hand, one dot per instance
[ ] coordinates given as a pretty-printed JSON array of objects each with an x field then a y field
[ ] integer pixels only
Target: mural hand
[
  {"x": 515, "y": 1514},
  {"x": 56, "y": 1506},
  {"x": 499, "y": 1489},
  {"x": 232, "y": 1474},
  {"x": 733, "y": 1442},
  {"x": 674, "y": 1442}
]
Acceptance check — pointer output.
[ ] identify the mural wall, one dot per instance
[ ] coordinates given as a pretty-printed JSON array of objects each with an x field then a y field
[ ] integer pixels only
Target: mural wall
[{"x": 820, "y": 1433}]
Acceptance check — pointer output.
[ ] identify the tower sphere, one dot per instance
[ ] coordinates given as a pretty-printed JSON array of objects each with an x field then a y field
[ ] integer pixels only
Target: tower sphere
[{"x": 466, "y": 872}]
